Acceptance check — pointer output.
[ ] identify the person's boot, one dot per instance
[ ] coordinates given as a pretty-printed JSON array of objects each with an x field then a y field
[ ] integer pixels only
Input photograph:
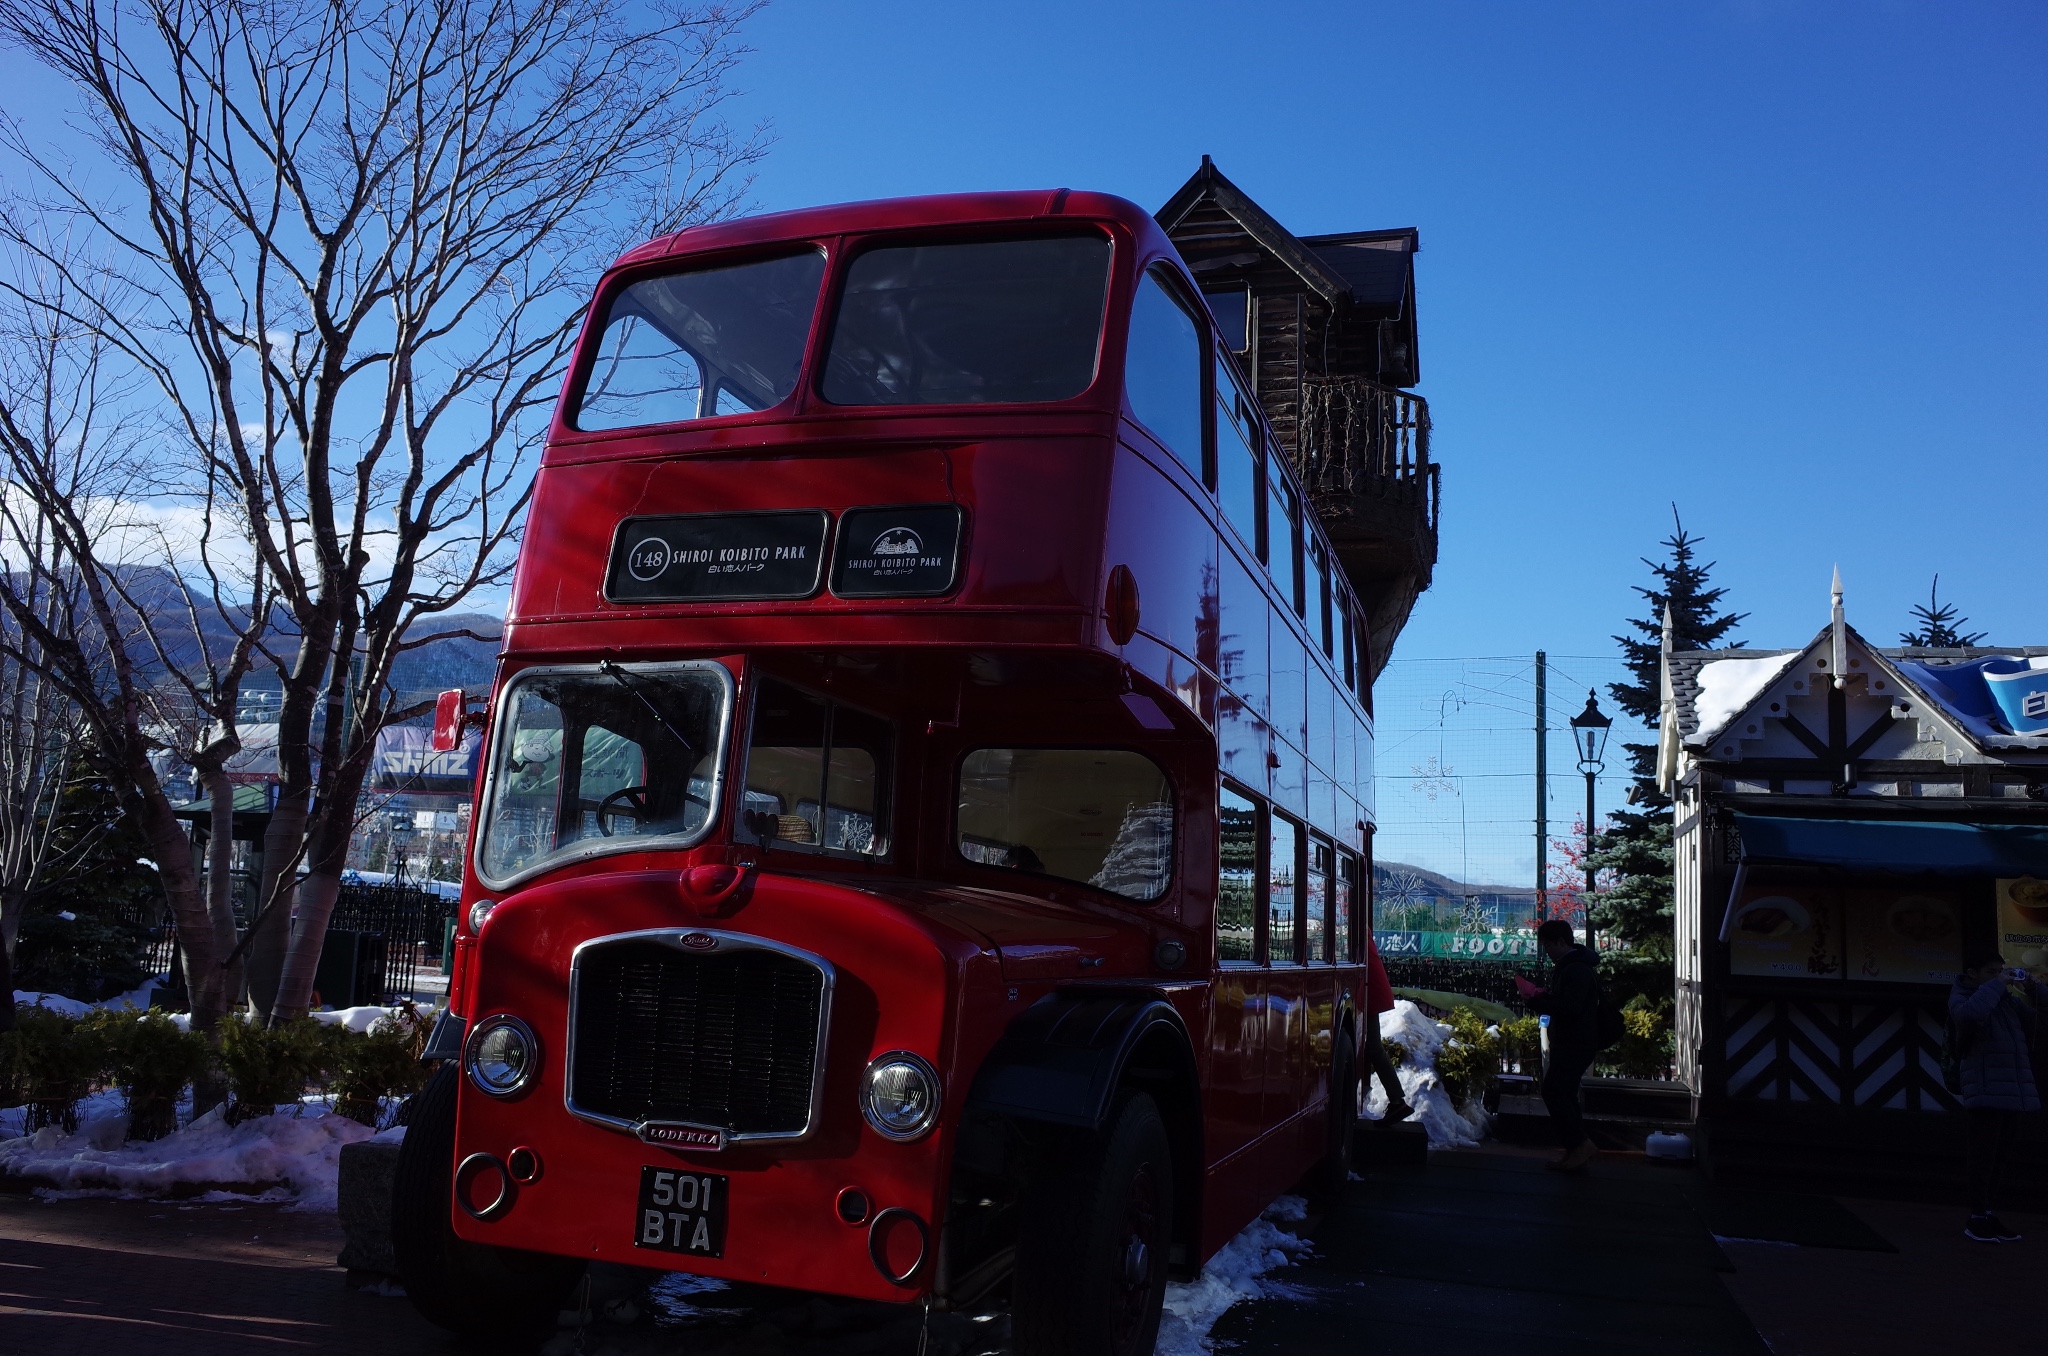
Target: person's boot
[
  {"x": 1576, "y": 1159},
  {"x": 1397, "y": 1111},
  {"x": 1985, "y": 1228}
]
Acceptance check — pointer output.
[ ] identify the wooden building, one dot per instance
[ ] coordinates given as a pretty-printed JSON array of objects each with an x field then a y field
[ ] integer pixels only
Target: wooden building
[
  {"x": 1847, "y": 817},
  {"x": 1324, "y": 326}
]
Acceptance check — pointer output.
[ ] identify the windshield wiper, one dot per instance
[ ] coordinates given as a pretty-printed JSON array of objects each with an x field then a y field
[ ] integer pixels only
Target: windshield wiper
[{"x": 626, "y": 679}]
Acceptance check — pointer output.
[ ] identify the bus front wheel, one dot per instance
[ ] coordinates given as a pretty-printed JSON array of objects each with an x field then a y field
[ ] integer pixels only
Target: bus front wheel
[
  {"x": 1093, "y": 1242},
  {"x": 471, "y": 1289}
]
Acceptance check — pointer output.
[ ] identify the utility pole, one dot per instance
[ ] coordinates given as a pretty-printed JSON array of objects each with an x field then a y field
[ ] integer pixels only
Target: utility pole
[{"x": 1542, "y": 784}]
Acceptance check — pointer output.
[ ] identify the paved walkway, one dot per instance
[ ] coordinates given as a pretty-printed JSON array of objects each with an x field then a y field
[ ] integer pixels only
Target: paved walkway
[
  {"x": 1486, "y": 1252},
  {"x": 1479, "y": 1252}
]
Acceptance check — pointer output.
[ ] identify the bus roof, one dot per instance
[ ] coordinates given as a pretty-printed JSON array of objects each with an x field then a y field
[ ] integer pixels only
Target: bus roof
[{"x": 886, "y": 214}]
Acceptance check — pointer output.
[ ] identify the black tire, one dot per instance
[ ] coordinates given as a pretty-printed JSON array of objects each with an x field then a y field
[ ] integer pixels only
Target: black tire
[
  {"x": 1093, "y": 1243},
  {"x": 1334, "y": 1171},
  {"x": 471, "y": 1289}
]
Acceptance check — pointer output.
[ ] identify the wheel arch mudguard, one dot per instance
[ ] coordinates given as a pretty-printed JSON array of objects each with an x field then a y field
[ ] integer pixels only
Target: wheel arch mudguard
[{"x": 1063, "y": 1059}]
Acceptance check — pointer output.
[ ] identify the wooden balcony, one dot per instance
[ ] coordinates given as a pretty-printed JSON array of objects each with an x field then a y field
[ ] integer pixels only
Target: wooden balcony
[{"x": 1363, "y": 454}]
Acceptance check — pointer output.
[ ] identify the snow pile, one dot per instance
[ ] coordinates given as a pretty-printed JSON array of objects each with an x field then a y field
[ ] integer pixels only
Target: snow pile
[
  {"x": 1237, "y": 1272},
  {"x": 1728, "y": 686},
  {"x": 1422, "y": 1036},
  {"x": 55, "y": 1002},
  {"x": 301, "y": 1153}
]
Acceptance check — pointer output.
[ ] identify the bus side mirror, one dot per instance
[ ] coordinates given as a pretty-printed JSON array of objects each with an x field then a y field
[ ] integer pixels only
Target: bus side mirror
[{"x": 448, "y": 720}]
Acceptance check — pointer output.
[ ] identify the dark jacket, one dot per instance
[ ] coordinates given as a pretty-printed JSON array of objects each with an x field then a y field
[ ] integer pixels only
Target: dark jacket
[
  {"x": 1573, "y": 1000},
  {"x": 1994, "y": 1033}
]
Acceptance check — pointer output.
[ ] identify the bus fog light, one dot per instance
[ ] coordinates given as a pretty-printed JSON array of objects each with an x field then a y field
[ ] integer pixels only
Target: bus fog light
[
  {"x": 899, "y": 1096},
  {"x": 502, "y": 1056}
]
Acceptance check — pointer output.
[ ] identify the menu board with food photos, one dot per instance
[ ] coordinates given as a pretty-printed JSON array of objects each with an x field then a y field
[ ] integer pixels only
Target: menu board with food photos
[
  {"x": 1786, "y": 931},
  {"x": 2023, "y": 923},
  {"x": 1911, "y": 934}
]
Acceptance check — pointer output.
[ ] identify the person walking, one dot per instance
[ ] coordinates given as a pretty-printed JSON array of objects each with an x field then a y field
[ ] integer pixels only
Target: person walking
[
  {"x": 1379, "y": 998},
  {"x": 1993, "y": 1014},
  {"x": 1573, "y": 1004}
]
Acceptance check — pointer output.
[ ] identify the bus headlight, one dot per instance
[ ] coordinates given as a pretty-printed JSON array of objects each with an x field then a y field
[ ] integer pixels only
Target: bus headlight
[
  {"x": 501, "y": 1056},
  {"x": 899, "y": 1096}
]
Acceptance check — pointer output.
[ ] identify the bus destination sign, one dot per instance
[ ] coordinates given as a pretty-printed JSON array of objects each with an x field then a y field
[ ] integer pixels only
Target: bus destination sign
[
  {"x": 712, "y": 557},
  {"x": 911, "y": 551}
]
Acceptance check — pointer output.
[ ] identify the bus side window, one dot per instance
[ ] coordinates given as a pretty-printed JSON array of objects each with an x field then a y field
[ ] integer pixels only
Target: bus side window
[
  {"x": 1343, "y": 607},
  {"x": 1282, "y": 891},
  {"x": 1344, "y": 907},
  {"x": 817, "y": 775},
  {"x": 1319, "y": 596},
  {"x": 1163, "y": 371},
  {"x": 1283, "y": 534},
  {"x": 1237, "y": 880},
  {"x": 1103, "y": 817},
  {"x": 1237, "y": 466},
  {"x": 1316, "y": 900}
]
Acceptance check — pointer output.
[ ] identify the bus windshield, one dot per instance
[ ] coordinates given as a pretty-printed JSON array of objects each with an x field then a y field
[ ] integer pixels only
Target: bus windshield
[
  {"x": 693, "y": 345},
  {"x": 971, "y": 322},
  {"x": 606, "y": 759}
]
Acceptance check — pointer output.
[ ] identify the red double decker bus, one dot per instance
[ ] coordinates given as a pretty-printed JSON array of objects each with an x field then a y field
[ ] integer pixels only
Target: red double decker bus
[{"x": 922, "y": 843}]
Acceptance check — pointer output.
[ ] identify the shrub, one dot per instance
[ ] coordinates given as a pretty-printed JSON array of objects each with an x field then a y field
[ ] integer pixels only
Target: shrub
[
  {"x": 51, "y": 1060},
  {"x": 1521, "y": 1044},
  {"x": 1469, "y": 1061},
  {"x": 1646, "y": 1044},
  {"x": 151, "y": 1061},
  {"x": 265, "y": 1066},
  {"x": 1397, "y": 1053},
  {"x": 383, "y": 1062}
]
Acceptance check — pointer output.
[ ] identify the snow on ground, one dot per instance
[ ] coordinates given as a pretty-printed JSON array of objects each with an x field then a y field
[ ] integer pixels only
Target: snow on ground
[
  {"x": 1238, "y": 1271},
  {"x": 302, "y": 1153},
  {"x": 55, "y": 1002},
  {"x": 1422, "y": 1036}
]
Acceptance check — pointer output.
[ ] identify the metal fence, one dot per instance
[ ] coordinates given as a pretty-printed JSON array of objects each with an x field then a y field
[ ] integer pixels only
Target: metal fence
[{"x": 377, "y": 938}]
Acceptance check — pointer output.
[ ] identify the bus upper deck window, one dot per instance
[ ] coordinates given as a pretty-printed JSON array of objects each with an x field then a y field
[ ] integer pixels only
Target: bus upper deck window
[
  {"x": 1283, "y": 534},
  {"x": 1318, "y": 561},
  {"x": 970, "y": 322},
  {"x": 1103, "y": 817},
  {"x": 1237, "y": 466},
  {"x": 709, "y": 342},
  {"x": 817, "y": 775},
  {"x": 1163, "y": 371}
]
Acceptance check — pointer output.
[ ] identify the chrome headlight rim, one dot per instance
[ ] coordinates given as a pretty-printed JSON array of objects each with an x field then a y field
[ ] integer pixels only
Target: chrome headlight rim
[
  {"x": 927, "y": 1122},
  {"x": 472, "y": 1050}
]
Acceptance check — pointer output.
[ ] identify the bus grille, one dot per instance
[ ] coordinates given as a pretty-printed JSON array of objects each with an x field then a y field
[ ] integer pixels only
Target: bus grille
[{"x": 726, "y": 1039}]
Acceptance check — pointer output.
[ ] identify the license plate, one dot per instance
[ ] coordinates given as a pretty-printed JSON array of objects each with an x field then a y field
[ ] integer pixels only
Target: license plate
[{"x": 681, "y": 1212}]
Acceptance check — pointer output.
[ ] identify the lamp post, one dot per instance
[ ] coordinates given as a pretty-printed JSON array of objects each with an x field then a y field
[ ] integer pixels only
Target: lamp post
[{"x": 1589, "y": 734}]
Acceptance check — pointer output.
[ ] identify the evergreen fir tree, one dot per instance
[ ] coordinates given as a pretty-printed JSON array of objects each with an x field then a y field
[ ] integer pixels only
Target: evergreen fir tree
[
  {"x": 1637, "y": 909},
  {"x": 1940, "y": 628}
]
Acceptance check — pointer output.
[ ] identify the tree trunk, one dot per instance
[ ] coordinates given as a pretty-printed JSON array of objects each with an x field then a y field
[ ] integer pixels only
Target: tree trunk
[
  {"x": 172, "y": 848},
  {"x": 282, "y": 840},
  {"x": 220, "y": 885}
]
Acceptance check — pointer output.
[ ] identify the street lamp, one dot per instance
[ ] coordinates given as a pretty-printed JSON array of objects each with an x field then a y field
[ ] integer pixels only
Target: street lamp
[{"x": 1589, "y": 733}]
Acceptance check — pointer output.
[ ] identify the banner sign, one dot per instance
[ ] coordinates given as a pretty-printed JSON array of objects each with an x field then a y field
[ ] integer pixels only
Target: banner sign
[
  {"x": 717, "y": 557},
  {"x": 907, "y": 552},
  {"x": 1456, "y": 945}
]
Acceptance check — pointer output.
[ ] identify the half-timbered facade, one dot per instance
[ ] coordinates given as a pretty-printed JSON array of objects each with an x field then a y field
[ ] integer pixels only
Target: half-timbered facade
[
  {"x": 1325, "y": 328},
  {"x": 1847, "y": 817}
]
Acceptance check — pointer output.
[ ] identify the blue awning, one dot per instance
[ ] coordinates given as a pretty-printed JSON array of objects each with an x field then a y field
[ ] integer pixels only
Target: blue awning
[{"x": 1908, "y": 846}]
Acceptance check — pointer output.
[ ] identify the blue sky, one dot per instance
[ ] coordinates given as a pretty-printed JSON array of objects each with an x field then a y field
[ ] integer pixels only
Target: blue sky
[{"x": 1782, "y": 263}]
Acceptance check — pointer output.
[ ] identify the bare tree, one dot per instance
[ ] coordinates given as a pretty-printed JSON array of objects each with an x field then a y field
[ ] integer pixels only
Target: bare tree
[
  {"x": 74, "y": 541},
  {"x": 364, "y": 235}
]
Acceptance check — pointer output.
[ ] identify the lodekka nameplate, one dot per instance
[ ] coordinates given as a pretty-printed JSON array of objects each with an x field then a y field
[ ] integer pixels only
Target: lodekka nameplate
[
  {"x": 713, "y": 557},
  {"x": 909, "y": 551}
]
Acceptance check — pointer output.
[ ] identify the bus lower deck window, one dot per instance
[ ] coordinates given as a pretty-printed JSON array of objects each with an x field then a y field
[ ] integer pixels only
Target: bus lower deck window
[
  {"x": 1103, "y": 817},
  {"x": 817, "y": 775},
  {"x": 1237, "y": 880}
]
